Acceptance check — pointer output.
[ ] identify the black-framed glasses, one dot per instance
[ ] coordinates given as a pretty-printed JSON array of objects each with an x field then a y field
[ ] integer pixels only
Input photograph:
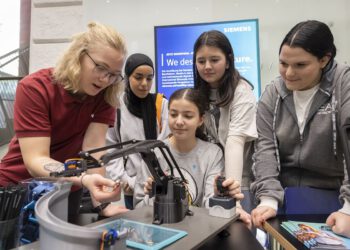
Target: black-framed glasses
[{"x": 103, "y": 72}]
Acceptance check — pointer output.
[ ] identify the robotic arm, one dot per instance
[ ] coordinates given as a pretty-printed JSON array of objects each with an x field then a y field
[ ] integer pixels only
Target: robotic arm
[{"x": 171, "y": 196}]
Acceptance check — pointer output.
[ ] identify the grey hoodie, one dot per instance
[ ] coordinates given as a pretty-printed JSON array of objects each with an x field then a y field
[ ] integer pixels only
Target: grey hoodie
[{"x": 284, "y": 157}]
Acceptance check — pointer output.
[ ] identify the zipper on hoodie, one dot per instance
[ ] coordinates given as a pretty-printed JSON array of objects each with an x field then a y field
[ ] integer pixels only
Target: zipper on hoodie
[{"x": 301, "y": 140}]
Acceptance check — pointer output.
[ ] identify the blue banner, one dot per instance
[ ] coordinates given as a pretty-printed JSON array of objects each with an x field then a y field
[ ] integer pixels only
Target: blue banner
[{"x": 174, "y": 52}]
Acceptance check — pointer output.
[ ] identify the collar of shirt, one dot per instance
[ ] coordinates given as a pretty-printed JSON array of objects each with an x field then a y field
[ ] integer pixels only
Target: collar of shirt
[{"x": 69, "y": 97}]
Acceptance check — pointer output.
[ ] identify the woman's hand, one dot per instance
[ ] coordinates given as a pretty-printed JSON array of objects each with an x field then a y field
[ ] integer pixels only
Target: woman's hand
[
  {"x": 112, "y": 210},
  {"x": 244, "y": 217},
  {"x": 340, "y": 223},
  {"x": 127, "y": 189},
  {"x": 261, "y": 214},
  {"x": 148, "y": 185},
  {"x": 233, "y": 187},
  {"x": 101, "y": 188}
]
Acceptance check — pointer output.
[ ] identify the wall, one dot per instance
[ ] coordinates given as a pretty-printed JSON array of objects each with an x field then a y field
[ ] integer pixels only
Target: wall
[
  {"x": 53, "y": 22},
  {"x": 136, "y": 19}
]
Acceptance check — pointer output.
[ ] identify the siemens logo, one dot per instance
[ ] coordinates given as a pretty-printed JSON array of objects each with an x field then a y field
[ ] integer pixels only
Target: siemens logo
[{"x": 238, "y": 29}]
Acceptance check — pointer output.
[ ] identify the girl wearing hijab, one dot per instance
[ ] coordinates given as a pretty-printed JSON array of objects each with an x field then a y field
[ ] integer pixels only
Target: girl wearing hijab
[{"x": 142, "y": 116}]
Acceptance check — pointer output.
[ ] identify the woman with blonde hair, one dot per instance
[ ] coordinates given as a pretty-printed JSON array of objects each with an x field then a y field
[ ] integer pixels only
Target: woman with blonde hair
[{"x": 63, "y": 110}]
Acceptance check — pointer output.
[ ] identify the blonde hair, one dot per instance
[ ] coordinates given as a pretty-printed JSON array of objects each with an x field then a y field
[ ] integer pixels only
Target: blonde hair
[{"x": 68, "y": 68}]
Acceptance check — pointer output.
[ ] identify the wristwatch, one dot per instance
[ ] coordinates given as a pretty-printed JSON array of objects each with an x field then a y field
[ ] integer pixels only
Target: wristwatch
[{"x": 100, "y": 207}]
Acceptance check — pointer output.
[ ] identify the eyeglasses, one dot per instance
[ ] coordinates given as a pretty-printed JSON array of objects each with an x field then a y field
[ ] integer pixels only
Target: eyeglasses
[{"x": 103, "y": 72}]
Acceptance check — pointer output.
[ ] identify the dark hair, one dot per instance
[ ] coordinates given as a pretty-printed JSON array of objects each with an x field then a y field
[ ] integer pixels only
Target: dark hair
[
  {"x": 314, "y": 37},
  {"x": 194, "y": 96},
  {"x": 229, "y": 81}
]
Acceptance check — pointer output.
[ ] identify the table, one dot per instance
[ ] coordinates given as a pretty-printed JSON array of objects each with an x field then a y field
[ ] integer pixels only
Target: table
[
  {"x": 280, "y": 237},
  {"x": 240, "y": 237},
  {"x": 198, "y": 225}
]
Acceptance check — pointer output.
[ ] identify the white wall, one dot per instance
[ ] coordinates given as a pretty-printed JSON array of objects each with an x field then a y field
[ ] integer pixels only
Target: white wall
[
  {"x": 136, "y": 19},
  {"x": 53, "y": 23}
]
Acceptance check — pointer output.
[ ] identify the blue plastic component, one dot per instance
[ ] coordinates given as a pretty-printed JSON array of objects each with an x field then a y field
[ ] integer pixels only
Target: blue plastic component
[
  {"x": 30, "y": 225},
  {"x": 110, "y": 237},
  {"x": 142, "y": 235}
]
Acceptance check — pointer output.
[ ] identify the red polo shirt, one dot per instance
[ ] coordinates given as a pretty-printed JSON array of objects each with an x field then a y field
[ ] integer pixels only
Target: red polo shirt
[{"x": 45, "y": 109}]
